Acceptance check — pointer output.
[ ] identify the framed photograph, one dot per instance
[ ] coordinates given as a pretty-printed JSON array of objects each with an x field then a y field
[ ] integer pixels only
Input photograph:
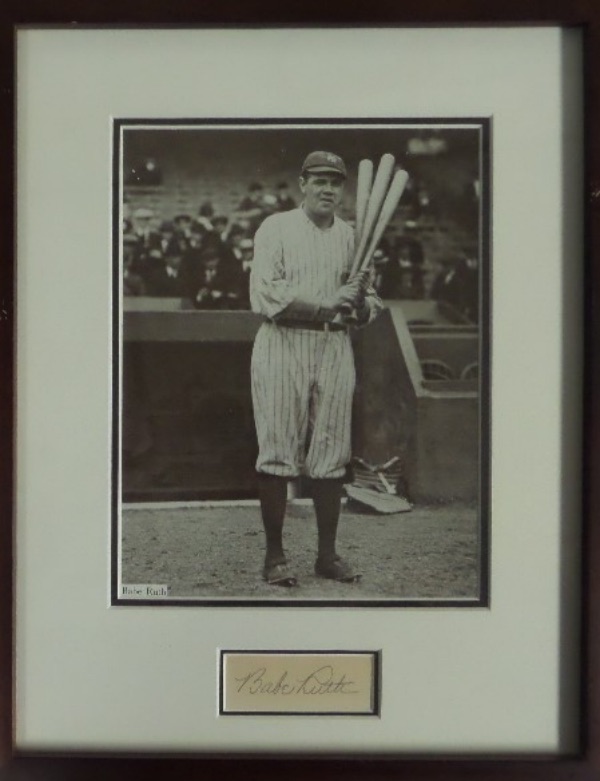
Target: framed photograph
[
  {"x": 298, "y": 333},
  {"x": 195, "y": 441}
]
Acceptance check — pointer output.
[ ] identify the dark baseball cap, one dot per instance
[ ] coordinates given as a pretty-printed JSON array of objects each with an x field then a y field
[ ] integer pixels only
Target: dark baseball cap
[{"x": 324, "y": 162}]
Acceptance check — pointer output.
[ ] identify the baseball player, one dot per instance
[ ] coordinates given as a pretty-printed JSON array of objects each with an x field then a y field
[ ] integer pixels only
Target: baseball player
[{"x": 302, "y": 363}]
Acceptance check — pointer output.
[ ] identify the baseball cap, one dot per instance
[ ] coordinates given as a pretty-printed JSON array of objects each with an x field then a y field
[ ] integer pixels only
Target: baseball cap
[{"x": 321, "y": 162}]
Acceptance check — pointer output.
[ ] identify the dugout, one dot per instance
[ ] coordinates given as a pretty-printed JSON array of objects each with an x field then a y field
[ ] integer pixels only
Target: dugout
[
  {"x": 418, "y": 397},
  {"x": 186, "y": 413}
]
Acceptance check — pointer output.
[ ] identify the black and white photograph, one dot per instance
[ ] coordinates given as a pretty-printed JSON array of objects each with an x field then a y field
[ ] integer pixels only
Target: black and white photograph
[{"x": 301, "y": 362}]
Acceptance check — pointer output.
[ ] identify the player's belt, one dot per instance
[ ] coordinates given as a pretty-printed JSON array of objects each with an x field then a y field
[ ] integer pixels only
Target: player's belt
[{"x": 311, "y": 325}]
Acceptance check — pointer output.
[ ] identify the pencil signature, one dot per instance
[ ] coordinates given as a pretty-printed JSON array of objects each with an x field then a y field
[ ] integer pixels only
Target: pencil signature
[{"x": 321, "y": 681}]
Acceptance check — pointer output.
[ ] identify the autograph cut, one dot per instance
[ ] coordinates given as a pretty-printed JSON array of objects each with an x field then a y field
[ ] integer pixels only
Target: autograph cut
[{"x": 323, "y": 680}]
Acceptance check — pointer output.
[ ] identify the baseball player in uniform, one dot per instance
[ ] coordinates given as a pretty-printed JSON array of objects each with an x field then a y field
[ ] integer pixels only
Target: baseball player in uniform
[{"x": 302, "y": 363}]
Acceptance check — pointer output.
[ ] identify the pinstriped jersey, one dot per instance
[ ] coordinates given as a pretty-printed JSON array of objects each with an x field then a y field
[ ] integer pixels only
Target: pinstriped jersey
[{"x": 294, "y": 258}]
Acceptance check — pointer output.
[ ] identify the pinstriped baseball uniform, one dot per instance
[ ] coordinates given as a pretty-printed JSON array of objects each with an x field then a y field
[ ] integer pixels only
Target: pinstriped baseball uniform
[{"x": 302, "y": 380}]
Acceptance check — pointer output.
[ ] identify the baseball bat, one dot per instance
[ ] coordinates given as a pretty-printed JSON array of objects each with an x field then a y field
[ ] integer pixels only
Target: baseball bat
[
  {"x": 380, "y": 186},
  {"x": 385, "y": 215},
  {"x": 363, "y": 190}
]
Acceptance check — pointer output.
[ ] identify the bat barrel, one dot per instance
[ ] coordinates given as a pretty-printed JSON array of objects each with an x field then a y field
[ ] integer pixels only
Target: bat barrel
[
  {"x": 363, "y": 191},
  {"x": 387, "y": 211},
  {"x": 374, "y": 205}
]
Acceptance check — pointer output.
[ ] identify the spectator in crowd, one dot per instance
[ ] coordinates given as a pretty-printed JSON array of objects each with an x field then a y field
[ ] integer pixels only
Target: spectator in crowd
[
  {"x": 210, "y": 238},
  {"x": 252, "y": 208},
  {"x": 235, "y": 266},
  {"x": 192, "y": 262},
  {"x": 183, "y": 229},
  {"x": 230, "y": 258},
  {"x": 211, "y": 288},
  {"x": 380, "y": 262},
  {"x": 384, "y": 268},
  {"x": 221, "y": 227},
  {"x": 142, "y": 223},
  {"x": 236, "y": 235},
  {"x": 147, "y": 252},
  {"x": 133, "y": 283},
  {"x": 247, "y": 248},
  {"x": 402, "y": 276},
  {"x": 197, "y": 235},
  {"x": 454, "y": 285},
  {"x": 168, "y": 239},
  {"x": 179, "y": 242},
  {"x": 228, "y": 262},
  {"x": 285, "y": 202},
  {"x": 167, "y": 280},
  {"x": 410, "y": 252},
  {"x": 245, "y": 267},
  {"x": 244, "y": 225}
]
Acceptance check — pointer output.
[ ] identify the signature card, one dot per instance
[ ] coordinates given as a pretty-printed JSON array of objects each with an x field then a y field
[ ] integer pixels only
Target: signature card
[{"x": 306, "y": 682}]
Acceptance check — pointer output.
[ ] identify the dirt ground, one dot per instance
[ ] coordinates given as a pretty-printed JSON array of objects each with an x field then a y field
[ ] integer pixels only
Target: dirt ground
[{"x": 217, "y": 552}]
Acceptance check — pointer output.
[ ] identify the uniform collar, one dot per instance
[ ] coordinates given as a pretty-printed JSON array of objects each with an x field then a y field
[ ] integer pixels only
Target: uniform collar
[{"x": 307, "y": 219}]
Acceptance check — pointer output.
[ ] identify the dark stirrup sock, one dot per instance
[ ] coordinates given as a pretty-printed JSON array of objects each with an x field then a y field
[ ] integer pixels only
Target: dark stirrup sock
[
  {"x": 327, "y": 499},
  {"x": 272, "y": 492}
]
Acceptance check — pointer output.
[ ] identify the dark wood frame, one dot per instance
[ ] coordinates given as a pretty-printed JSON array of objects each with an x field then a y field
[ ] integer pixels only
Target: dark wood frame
[{"x": 118, "y": 13}]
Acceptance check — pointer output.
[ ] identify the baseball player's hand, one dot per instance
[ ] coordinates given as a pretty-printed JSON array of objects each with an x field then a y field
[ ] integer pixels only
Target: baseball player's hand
[
  {"x": 362, "y": 279},
  {"x": 351, "y": 315},
  {"x": 346, "y": 296}
]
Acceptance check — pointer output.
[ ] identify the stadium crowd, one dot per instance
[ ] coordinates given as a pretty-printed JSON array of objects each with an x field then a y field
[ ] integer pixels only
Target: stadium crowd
[{"x": 206, "y": 259}]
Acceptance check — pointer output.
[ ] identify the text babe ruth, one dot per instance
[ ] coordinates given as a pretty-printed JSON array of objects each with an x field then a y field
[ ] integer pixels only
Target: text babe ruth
[{"x": 302, "y": 364}]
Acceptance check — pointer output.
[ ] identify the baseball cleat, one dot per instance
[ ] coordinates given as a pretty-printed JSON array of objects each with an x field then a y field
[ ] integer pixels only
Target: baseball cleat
[
  {"x": 336, "y": 568},
  {"x": 279, "y": 575}
]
